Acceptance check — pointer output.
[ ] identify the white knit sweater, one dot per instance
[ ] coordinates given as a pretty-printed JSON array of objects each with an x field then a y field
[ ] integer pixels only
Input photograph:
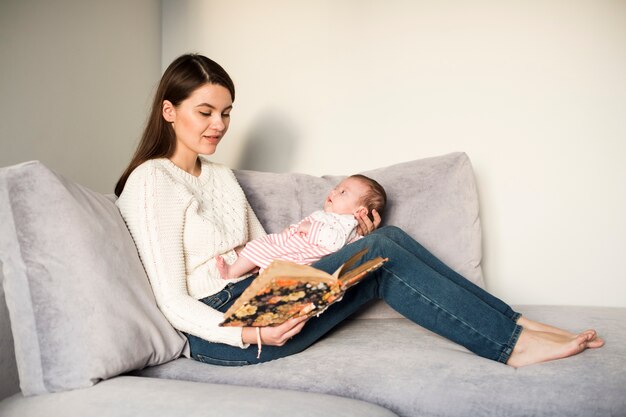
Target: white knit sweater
[{"x": 179, "y": 223}]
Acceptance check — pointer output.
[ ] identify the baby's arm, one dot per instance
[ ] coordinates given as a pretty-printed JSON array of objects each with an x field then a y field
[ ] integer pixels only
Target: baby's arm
[
  {"x": 329, "y": 236},
  {"x": 303, "y": 228}
]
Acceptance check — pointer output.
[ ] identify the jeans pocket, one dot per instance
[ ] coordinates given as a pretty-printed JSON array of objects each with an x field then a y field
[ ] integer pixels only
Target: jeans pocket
[
  {"x": 222, "y": 362},
  {"x": 217, "y": 300}
]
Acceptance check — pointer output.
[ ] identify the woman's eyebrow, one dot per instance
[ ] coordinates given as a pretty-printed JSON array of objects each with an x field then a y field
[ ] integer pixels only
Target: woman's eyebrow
[{"x": 212, "y": 107}]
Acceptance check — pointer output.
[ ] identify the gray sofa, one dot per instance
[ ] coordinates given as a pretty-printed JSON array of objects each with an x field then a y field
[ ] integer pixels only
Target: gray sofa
[{"x": 81, "y": 334}]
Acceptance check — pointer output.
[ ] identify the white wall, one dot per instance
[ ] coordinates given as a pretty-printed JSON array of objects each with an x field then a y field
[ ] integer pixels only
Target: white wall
[
  {"x": 76, "y": 80},
  {"x": 534, "y": 92}
]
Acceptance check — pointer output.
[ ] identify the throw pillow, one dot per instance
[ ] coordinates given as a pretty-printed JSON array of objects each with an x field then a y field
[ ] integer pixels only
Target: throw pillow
[
  {"x": 80, "y": 304},
  {"x": 434, "y": 200}
]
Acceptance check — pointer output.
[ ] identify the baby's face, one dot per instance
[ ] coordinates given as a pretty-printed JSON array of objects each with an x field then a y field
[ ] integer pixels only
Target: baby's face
[{"x": 345, "y": 198}]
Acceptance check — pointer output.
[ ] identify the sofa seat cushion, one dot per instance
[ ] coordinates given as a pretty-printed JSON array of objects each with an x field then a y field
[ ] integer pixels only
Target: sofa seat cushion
[
  {"x": 137, "y": 397},
  {"x": 400, "y": 366}
]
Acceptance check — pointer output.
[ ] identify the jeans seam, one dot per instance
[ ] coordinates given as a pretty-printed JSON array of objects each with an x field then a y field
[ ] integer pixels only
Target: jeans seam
[
  {"x": 500, "y": 345},
  {"x": 230, "y": 295},
  {"x": 508, "y": 349},
  {"x": 215, "y": 297},
  {"x": 221, "y": 362}
]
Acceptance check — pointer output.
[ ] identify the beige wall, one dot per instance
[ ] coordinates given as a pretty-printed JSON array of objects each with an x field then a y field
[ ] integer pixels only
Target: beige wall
[
  {"x": 533, "y": 91},
  {"x": 76, "y": 80}
]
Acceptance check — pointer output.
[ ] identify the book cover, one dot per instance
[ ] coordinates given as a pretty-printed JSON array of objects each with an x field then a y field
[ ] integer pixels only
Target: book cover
[{"x": 286, "y": 289}]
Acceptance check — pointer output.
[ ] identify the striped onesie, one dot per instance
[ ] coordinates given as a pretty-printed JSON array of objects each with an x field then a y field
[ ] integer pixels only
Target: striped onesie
[{"x": 329, "y": 232}]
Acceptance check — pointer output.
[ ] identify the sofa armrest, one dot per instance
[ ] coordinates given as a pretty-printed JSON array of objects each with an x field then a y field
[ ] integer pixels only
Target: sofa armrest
[{"x": 9, "y": 383}]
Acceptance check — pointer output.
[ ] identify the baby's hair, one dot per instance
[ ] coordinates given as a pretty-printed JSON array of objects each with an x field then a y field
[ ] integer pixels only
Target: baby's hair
[{"x": 375, "y": 198}]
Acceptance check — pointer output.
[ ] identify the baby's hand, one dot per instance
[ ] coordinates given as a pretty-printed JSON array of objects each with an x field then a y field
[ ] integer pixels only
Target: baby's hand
[{"x": 303, "y": 228}]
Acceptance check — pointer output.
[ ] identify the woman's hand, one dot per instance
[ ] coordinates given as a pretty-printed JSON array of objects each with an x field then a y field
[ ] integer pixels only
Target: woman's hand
[
  {"x": 274, "y": 335},
  {"x": 366, "y": 226}
]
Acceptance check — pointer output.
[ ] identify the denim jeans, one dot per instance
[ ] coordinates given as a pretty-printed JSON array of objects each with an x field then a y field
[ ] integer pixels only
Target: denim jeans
[{"x": 413, "y": 282}]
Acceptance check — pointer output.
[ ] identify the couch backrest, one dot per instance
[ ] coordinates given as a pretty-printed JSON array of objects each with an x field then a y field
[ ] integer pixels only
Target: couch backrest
[{"x": 433, "y": 199}]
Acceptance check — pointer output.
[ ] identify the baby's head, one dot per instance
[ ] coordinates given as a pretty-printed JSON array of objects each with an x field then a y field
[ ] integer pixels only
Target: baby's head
[{"x": 356, "y": 194}]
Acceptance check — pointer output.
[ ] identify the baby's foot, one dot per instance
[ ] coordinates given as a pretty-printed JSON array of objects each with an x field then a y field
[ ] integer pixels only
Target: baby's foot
[{"x": 223, "y": 267}]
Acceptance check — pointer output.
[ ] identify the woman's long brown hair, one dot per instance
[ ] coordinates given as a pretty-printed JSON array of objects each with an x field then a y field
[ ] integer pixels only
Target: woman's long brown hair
[{"x": 184, "y": 75}]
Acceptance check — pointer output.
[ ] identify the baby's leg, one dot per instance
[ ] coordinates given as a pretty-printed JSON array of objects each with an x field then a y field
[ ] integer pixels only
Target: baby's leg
[{"x": 240, "y": 267}]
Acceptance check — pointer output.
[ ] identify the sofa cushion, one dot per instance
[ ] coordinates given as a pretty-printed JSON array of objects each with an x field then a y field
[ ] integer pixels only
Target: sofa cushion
[
  {"x": 145, "y": 397},
  {"x": 80, "y": 304},
  {"x": 433, "y": 199},
  {"x": 400, "y": 366}
]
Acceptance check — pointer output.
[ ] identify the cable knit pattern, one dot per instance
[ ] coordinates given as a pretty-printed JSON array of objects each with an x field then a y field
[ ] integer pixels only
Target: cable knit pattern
[{"x": 180, "y": 223}]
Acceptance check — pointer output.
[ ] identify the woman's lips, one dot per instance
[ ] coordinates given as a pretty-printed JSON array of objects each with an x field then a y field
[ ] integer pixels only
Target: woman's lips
[{"x": 213, "y": 139}]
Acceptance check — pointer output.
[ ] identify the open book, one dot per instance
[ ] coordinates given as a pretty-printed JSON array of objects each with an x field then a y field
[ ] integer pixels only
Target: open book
[{"x": 286, "y": 289}]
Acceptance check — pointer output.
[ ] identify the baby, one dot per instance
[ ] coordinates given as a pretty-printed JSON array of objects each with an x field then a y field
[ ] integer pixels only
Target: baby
[{"x": 323, "y": 232}]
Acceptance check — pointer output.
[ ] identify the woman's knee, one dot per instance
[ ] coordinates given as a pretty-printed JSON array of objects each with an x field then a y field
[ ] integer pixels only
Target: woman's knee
[
  {"x": 402, "y": 239},
  {"x": 378, "y": 242},
  {"x": 393, "y": 232}
]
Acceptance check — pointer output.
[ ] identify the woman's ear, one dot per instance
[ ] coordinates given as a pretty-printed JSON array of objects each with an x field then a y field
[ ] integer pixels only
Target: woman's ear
[{"x": 168, "y": 111}]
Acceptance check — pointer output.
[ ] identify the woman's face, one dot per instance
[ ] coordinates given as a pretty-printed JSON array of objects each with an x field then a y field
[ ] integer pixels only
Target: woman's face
[{"x": 200, "y": 121}]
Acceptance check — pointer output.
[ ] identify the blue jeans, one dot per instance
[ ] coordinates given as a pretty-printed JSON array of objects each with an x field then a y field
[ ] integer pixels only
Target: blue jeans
[{"x": 413, "y": 282}]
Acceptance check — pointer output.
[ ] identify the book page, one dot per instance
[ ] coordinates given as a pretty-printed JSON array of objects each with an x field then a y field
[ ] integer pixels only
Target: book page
[{"x": 286, "y": 289}]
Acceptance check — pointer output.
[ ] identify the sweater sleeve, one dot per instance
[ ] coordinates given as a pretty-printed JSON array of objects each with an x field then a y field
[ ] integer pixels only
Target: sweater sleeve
[{"x": 154, "y": 208}]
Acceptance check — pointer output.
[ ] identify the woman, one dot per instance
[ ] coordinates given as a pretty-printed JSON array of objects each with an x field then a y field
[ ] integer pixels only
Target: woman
[{"x": 183, "y": 211}]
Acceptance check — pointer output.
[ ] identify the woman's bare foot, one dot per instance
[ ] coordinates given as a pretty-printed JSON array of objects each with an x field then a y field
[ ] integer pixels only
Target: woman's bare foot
[
  {"x": 594, "y": 342},
  {"x": 223, "y": 267},
  {"x": 537, "y": 346}
]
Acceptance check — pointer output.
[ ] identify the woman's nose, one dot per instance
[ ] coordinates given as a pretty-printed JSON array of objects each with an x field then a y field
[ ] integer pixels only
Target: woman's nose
[{"x": 218, "y": 124}]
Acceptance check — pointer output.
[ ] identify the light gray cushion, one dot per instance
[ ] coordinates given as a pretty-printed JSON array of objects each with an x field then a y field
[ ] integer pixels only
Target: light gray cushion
[
  {"x": 80, "y": 304},
  {"x": 138, "y": 397},
  {"x": 400, "y": 366},
  {"x": 433, "y": 199}
]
